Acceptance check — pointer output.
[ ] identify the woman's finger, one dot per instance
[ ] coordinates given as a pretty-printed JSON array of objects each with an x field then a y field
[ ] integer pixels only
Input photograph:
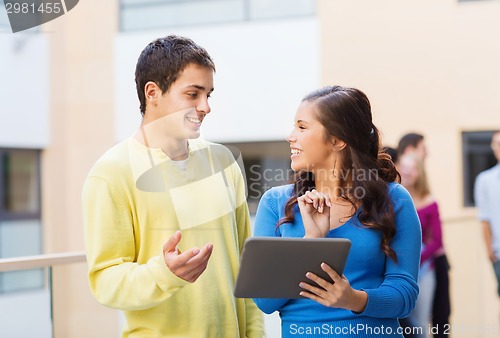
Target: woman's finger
[
  {"x": 304, "y": 205},
  {"x": 332, "y": 273},
  {"x": 318, "y": 280},
  {"x": 317, "y": 198},
  {"x": 316, "y": 298},
  {"x": 321, "y": 201},
  {"x": 305, "y": 199},
  {"x": 313, "y": 289},
  {"x": 312, "y": 198},
  {"x": 328, "y": 202}
]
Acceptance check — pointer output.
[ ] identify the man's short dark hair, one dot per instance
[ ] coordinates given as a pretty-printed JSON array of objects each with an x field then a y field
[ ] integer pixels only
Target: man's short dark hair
[
  {"x": 164, "y": 59},
  {"x": 410, "y": 139},
  {"x": 393, "y": 153}
]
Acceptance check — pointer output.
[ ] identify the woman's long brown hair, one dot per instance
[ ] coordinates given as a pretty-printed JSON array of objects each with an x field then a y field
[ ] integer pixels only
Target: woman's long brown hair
[{"x": 346, "y": 114}]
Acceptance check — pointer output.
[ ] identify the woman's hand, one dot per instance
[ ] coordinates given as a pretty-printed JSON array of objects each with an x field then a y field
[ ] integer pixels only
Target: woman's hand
[
  {"x": 338, "y": 294},
  {"x": 315, "y": 211}
]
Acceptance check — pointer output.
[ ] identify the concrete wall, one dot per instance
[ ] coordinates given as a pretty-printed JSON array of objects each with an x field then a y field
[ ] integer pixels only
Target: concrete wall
[
  {"x": 431, "y": 67},
  {"x": 81, "y": 123},
  {"x": 426, "y": 65},
  {"x": 24, "y": 103}
]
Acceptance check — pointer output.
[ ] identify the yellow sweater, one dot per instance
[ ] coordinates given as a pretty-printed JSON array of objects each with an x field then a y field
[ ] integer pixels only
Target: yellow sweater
[{"x": 134, "y": 199}]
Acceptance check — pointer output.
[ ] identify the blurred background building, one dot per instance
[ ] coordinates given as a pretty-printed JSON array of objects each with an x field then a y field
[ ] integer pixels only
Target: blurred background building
[{"x": 67, "y": 94}]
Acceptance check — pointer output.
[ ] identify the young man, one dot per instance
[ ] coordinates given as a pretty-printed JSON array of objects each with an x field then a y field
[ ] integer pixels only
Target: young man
[
  {"x": 165, "y": 213},
  {"x": 487, "y": 197},
  {"x": 412, "y": 143}
]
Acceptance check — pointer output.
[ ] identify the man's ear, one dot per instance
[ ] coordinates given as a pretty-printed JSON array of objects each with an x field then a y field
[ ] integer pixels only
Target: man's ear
[
  {"x": 338, "y": 144},
  {"x": 152, "y": 92}
]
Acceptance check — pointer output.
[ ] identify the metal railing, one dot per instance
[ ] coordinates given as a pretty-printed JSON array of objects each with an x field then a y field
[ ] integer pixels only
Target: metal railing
[
  {"x": 46, "y": 261},
  {"x": 41, "y": 261}
]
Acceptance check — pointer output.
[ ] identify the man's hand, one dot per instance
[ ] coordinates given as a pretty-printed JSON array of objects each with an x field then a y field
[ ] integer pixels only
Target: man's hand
[{"x": 188, "y": 265}]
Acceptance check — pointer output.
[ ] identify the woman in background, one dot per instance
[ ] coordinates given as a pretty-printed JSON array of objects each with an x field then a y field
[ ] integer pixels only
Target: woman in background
[{"x": 414, "y": 178}]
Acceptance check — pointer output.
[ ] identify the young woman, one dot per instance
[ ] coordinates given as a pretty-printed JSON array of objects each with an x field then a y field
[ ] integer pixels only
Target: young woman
[
  {"x": 414, "y": 179},
  {"x": 344, "y": 187}
]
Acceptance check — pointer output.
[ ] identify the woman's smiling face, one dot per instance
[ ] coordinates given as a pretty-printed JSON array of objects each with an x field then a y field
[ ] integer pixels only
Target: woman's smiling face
[{"x": 310, "y": 151}]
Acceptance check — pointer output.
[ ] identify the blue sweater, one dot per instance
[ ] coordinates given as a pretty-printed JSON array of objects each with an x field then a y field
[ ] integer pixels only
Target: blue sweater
[{"x": 391, "y": 287}]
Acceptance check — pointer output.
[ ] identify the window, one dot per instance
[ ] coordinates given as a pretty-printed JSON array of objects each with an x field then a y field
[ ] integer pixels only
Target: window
[
  {"x": 270, "y": 9},
  {"x": 150, "y": 14},
  {"x": 20, "y": 197},
  {"x": 477, "y": 156},
  {"x": 267, "y": 164},
  {"x": 20, "y": 216}
]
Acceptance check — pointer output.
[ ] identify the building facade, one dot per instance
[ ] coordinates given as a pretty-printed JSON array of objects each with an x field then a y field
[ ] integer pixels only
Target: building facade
[{"x": 68, "y": 94}]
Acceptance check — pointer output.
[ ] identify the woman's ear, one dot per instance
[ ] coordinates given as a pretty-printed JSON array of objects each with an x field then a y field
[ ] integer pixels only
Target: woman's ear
[{"x": 338, "y": 144}]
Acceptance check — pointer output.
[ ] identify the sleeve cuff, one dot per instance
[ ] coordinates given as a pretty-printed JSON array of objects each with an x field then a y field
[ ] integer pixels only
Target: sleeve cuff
[
  {"x": 378, "y": 302},
  {"x": 165, "y": 279}
]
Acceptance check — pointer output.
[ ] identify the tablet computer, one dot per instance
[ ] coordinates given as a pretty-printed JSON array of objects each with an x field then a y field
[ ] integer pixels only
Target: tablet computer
[{"x": 273, "y": 267}]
